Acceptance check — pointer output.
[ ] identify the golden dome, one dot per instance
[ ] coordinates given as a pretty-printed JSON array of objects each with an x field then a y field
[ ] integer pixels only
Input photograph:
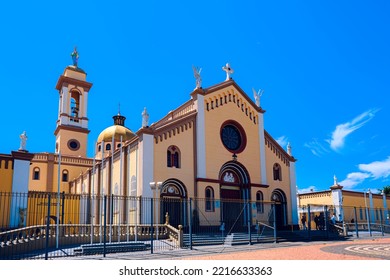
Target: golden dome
[{"x": 117, "y": 131}]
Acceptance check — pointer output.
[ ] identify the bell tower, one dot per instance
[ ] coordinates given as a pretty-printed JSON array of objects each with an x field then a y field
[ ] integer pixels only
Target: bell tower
[{"x": 72, "y": 123}]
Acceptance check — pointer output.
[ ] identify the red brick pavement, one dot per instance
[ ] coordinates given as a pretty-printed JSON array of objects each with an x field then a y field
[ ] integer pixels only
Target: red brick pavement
[{"x": 307, "y": 251}]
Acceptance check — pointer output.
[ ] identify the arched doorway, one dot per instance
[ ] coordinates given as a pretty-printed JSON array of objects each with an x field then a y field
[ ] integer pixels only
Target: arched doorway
[
  {"x": 173, "y": 202},
  {"x": 279, "y": 197},
  {"x": 234, "y": 192}
]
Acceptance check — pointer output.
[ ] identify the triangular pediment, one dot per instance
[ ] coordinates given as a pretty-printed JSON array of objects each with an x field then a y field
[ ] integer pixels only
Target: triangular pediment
[{"x": 233, "y": 87}]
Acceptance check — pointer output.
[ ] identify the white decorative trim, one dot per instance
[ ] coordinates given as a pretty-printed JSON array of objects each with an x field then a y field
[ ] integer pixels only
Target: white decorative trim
[
  {"x": 146, "y": 165},
  {"x": 84, "y": 123},
  {"x": 337, "y": 199},
  {"x": 228, "y": 177},
  {"x": 200, "y": 137},
  {"x": 293, "y": 194},
  {"x": 263, "y": 168},
  {"x": 371, "y": 207},
  {"x": 65, "y": 107},
  {"x": 20, "y": 180}
]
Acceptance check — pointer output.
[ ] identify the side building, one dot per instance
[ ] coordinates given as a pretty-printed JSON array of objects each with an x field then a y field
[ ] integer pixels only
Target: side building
[{"x": 348, "y": 206}]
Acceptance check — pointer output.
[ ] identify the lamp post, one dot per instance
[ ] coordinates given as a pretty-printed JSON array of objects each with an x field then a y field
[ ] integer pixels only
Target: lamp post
[
  {"x": 367, "y": 213},
  {"x": 156, "y": 186},
  {"x": 385, "y": 210},
  {"x": 58, "y": 199}
]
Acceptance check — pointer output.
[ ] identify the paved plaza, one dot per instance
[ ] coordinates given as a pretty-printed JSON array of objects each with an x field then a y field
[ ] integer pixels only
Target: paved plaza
[{"x": 365, "y": 248}]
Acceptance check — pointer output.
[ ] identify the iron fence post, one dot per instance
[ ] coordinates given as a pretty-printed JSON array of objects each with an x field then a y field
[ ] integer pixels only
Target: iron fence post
[
  {"x": 274, "y": 215},
  {"x": 380, "y": 220},
  {"x": 105, "y": 225},
  {"x": 368, "y": 221},
  {"x": 47, "y": 228},
  {"x": 151, "y": 225},
  {"x": 249, "y": 223},
  {"x": 63, "y": 208},
  {"x": 326, "y": 227},
  {"x": 356, "y": 223},
  {"x": 309, "y": 222},
  {"x": 111, "y": 215},
  {"x": 190, "y": 225}
]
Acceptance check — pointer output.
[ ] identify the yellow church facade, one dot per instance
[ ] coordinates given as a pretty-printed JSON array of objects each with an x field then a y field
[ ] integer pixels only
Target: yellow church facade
[{"x": 212, "y": 149}]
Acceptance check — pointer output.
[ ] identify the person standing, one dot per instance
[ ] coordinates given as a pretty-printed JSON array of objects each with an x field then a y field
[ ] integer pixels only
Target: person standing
[
  {"x": 303, "y": 221},
  {"x": 316, "y": 221}
]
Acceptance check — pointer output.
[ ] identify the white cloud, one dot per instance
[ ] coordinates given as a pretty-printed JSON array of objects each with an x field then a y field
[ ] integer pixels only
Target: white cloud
[
  {"x": 344, "y": 129},
  {"x": 377, "y": 169},
  {"x": 353, "y": 179},
  {"x": 307, "y": 190},
  {"x": 282, "y": 141},
  {"x": 316, "y": 148}
]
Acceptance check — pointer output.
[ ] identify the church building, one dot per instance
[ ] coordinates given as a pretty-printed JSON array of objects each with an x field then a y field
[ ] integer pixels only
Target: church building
[{"x": 213, "y": 149}]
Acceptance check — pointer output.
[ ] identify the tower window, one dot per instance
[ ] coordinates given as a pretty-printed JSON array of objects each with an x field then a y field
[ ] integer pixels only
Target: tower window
[
  {"x": 173, "y": 157},
  {"x": 108, "y": 147},
  {"x": 74, "y": 104},
  {"x": 36, "y": 173},
  {"x": 65, "y": 176}
]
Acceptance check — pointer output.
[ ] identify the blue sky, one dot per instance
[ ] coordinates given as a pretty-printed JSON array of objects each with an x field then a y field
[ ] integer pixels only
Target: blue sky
[{"x": 324, "y": 67}]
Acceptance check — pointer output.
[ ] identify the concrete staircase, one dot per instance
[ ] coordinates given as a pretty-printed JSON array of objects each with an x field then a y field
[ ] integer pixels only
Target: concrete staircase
[
  {"x": 114, "y": 247},
  {"x": 242, "y": 238}
]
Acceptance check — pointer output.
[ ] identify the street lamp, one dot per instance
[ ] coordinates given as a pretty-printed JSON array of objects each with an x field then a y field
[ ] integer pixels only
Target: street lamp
[
  {"x": 386, "y": 215},
  {"x": 156, "y": 186},
  {"x": 367, "y": 213}
]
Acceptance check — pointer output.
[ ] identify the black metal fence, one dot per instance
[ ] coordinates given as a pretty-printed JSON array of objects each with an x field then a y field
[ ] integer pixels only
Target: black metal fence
[
  {"x": 319, "y": 221},
  {"x": 49, "y": 225}
]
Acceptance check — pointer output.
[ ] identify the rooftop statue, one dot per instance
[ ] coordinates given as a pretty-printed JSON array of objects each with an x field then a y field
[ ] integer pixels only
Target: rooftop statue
[
  {"x": 197, "y": 76},
  {"x": 257, "y": 96},
  {"x": 75, "y": 56},
  {"x": 23, "y": 140},
  {"x": 145, "y": 118}
]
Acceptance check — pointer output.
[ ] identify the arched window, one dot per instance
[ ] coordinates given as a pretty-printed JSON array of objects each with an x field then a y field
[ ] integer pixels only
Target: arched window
[
  {"x": 260, "y": 202},
  {"x": 173, "y": 157},
  {"x": 108, "y": 147},
  {"x": 209, "y": 195},
  {"x": 100, "y": 148},
  {"x": 36, "y": 173},
  {"x": 65, "y": 176},
  {"x": 74, "y": 104},
  {"x": 277, "y": 172}
]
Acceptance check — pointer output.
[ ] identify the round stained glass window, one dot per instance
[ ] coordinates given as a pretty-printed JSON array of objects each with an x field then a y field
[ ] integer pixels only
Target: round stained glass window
[
  {"x": 233, "y": 137},
  {"x": 73, "y": 144}
]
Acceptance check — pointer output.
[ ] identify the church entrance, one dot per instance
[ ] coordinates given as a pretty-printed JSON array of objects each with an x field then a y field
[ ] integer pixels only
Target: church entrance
[
  {"x": 232, "y": 208},
  {"x": 234, "y": 193},
  {"x": 173, "y": 203},
  {"x": 279, "y": 198},
  {"x": 174, "y": 208}
]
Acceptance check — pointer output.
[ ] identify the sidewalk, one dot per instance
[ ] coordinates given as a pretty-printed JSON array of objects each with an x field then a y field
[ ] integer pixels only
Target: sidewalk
[
  {"x": 355, "y": 249},
  {"x": 365, "y": 248}
]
